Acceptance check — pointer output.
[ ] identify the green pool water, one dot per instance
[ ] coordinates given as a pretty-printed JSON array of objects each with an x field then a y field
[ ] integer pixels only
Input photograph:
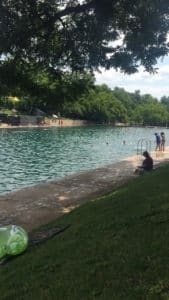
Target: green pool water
[{"x": 33, "y": 155}]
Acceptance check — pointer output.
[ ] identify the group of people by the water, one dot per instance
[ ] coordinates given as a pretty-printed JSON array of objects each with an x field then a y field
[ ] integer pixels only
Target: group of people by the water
[
  {"x": 147, "y": 164},
  {"x": 160, "y": 141}
]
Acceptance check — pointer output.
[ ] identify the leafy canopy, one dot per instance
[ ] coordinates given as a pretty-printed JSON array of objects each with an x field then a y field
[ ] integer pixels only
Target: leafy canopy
[{"x": 84, "y": 35}]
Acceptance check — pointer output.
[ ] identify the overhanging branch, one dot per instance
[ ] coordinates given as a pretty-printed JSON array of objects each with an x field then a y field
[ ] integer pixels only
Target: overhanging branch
[{"x": 75, "y": 9}]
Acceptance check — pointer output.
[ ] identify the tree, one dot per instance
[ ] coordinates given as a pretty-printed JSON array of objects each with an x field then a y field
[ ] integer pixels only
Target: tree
[
  {"x": 151, "y": 114},
  {"x": 126, "y": 99},
  {"x": 41, "y": 87},
  {"x": 148, "y": 99},
  {"x": 165, "y": 102},
  {"x": 98, "y": 105},
  {"x": 81, "y": 35}
]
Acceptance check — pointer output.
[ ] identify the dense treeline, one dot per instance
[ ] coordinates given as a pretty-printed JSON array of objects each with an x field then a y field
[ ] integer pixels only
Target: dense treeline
[
  {"x": 76, "y": 96},
  {"x": 101, "y": 104}
]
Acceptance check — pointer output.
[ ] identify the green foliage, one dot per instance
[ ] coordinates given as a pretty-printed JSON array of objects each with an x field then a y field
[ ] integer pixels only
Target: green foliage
[
  {"x": 165, "y": 102},
  {"x": 45, "y": 46},
  {"x": 82, "y": 35},
  {"x": 126, "y": 99},
  {"x": 40, "y": 87},
  {"x": 115, "y": 248},
  {"x": 151, "y": 114},
  {"x": 76, "y": 96},
  {"x": 98, "y": 105},
  {"x": 103, "y": 105}
]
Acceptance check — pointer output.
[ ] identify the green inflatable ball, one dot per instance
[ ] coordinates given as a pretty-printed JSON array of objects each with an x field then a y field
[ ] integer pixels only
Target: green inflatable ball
[{"x": 13, "y": 240}]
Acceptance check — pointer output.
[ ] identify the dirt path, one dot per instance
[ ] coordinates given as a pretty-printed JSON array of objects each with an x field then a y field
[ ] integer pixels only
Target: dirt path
[{"x": 40, "y": 204}]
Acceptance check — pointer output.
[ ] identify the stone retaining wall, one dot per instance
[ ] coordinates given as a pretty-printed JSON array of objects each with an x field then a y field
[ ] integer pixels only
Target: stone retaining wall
[
  {"x": 67, "y": 122},
  {"x": 30, "y": 120}
]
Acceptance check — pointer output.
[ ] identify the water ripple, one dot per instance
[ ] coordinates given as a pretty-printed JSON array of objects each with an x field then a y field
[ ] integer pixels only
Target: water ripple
[{"x": 33, "y": 155}]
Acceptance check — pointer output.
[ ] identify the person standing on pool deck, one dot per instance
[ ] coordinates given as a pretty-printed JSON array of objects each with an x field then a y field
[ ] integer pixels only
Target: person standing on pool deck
[
  {"x": 162, "y": 141},
  {"x": 158, "y": 141}
]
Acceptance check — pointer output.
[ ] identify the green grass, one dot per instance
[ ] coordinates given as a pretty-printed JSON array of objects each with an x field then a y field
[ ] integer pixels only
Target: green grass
[{"x": 116, "y": 248}]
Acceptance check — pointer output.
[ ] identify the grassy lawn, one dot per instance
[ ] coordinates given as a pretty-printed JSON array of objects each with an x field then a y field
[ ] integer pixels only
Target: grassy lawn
[{"x": 116, "y": 248}]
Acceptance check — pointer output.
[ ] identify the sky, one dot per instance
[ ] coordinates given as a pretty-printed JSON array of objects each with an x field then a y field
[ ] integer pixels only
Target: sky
[{"x": 157, "y": 85}]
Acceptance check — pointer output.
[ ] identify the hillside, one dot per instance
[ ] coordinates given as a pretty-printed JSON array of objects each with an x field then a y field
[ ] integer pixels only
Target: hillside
[{"x": 116, "y": 248}]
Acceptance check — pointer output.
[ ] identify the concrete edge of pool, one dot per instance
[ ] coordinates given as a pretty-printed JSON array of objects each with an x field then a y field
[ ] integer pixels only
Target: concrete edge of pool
[{"x": 38, "y": 205}]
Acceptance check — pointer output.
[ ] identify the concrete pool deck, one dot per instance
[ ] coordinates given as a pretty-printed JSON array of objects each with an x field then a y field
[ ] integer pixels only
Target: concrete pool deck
[{"x": 38, "y": 205}]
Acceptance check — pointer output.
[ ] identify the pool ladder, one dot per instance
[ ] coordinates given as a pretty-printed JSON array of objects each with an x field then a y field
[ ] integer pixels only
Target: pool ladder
[{"x": 143, "y": 145}]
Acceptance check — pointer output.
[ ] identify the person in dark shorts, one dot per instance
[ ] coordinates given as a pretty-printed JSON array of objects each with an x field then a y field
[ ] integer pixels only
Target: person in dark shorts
[
  {"x": 162, "y": 141},
  {"x": 147, "y": 164},
  {"x": 158, "y": 141}
]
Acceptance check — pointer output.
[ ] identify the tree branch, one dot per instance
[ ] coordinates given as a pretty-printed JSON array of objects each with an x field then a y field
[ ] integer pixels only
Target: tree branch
[{"x": 75, "y": 9}]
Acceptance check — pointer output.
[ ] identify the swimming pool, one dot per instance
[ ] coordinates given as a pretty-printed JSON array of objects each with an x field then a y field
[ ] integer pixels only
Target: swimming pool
[{"x": 33, "y": 155}]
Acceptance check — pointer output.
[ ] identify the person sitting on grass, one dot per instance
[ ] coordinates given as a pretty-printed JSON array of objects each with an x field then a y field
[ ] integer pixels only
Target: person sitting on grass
[{"x": 147, "y": 164}]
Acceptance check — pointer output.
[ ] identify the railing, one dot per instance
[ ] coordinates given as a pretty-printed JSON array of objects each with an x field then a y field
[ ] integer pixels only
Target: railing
[{"x": 143, "y": 145}]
